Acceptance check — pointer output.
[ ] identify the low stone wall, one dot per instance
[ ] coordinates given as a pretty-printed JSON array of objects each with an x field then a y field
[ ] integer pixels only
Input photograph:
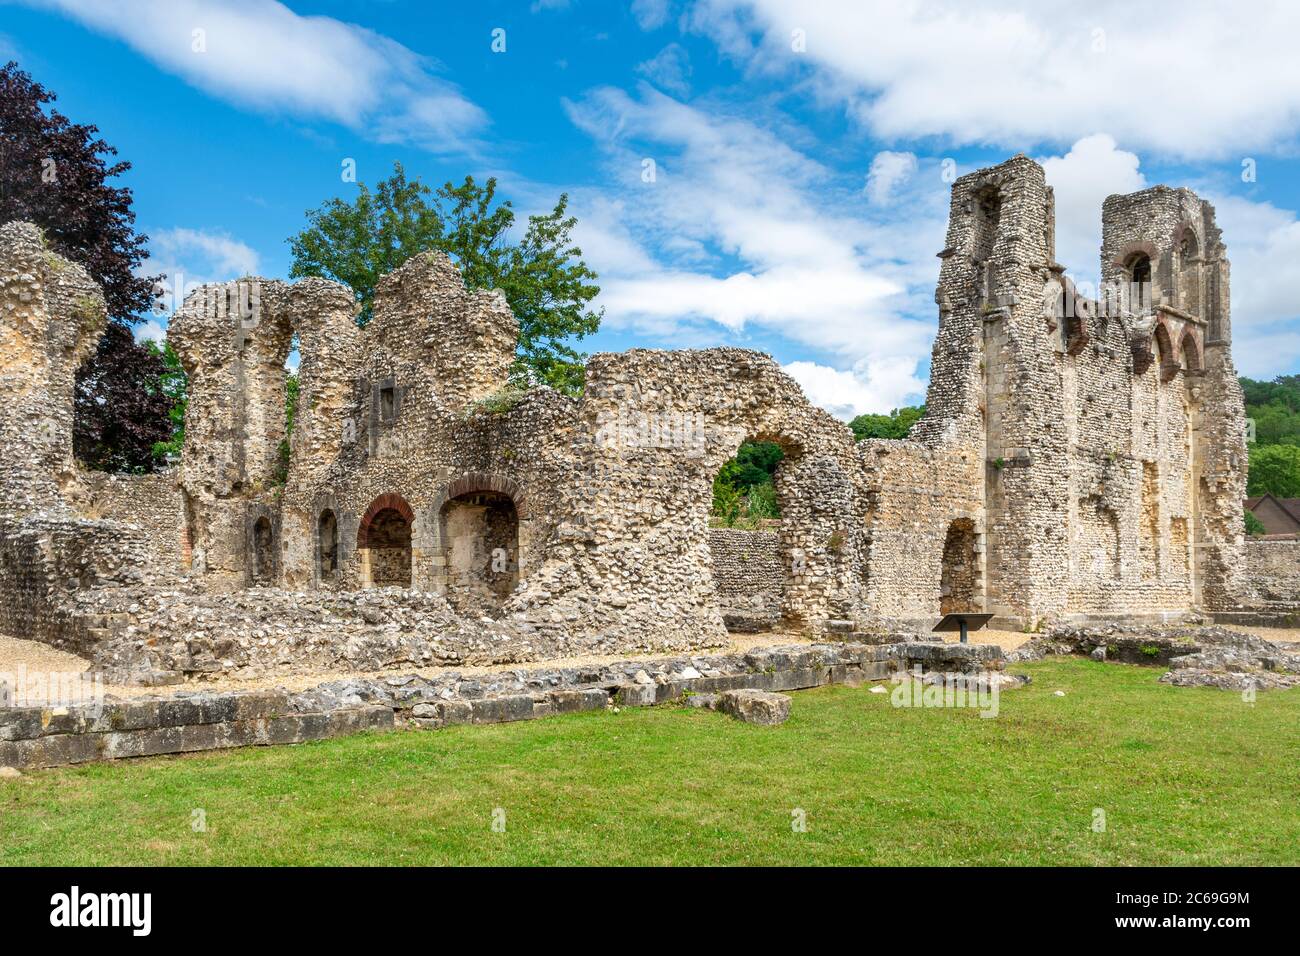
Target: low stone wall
[
  {"x": 46, "y": 561},
  {"x": 152, "y": 503},
  {"x": 32, "y": 737},
  {"x": 35, "y": 738},
  {"x": 749, "y": 577},
  {"x": 1273, "y": 569}
]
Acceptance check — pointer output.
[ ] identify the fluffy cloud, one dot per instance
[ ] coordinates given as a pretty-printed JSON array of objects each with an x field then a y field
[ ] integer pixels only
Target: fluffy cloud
[
  {"x": 888, "y": 170},
  {"x": 261, "y": 54},
  {"x": 190, "y": 258},
  {"x": 1093, "y": 169},
  {"x": 1010, "y": 73},
  {"x": 1264, "y": 249},
  {"x": 740, "y": 231}
]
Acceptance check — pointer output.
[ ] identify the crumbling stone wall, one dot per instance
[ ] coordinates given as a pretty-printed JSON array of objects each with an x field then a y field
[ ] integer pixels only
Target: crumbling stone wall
[
  {"x": 1099, "y": 442},
  {"x": 51, "y": 316},
  {"x": 1273, "y": 572},
  {"x": 151, "y": 503},
  {"x": 1080, "y": 456}
]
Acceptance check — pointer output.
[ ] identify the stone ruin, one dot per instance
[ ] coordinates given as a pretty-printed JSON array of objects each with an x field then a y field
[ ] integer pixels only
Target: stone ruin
[{"x": 1080, "y": 458}]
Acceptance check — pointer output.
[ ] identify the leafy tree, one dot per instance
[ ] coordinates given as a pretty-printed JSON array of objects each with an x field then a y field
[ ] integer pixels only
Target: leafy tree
[
  {"x": 175, "y": 384},
  {"x": 1254, "y": 526},
  {"x": 58, "y": 174},
  {"x": 1274, "y": 469},
  {"x": 744, "y": 490},
  {"x": 543, "y": 276},
  {"x": 121, "y": 411},
  {"x": 896, "y": 424}
]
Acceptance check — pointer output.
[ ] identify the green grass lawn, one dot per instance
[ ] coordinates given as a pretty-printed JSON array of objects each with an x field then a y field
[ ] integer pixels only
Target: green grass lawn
[{"x": 1185, "y": 776}]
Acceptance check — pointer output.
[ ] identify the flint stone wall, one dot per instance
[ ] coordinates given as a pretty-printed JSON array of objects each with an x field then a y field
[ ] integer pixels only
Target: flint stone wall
[
  {"x": 150, "y": 503},
  {"x": 748, "y": 575},
  {"x": 1273, "y": 571},
  {"x": 1072, "y": 462}
]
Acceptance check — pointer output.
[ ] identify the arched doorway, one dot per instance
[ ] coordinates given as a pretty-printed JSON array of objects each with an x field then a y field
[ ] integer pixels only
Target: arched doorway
[
  {"x": 480, "y": 536},
  {"x": 263, "y": 552},
  {"x": 751, "y": 563},
  {"x": 327, "y": 545},
  {"x": 384, "y": 541},
  {"x": 958, "y": 576}
]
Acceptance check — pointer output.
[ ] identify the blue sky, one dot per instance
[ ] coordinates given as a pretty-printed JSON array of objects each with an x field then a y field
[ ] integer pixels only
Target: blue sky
[{"x": 799, "y": 149}]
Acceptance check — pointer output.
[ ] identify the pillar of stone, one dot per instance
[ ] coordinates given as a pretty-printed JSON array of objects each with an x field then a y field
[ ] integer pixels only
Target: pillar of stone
[{"x": 52, "y": 314}]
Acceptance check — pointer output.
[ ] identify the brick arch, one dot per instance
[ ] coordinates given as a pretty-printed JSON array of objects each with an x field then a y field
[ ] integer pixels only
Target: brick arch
[
  {"x": 472, "y": 482},
  {"x": 382, "y": 503}
]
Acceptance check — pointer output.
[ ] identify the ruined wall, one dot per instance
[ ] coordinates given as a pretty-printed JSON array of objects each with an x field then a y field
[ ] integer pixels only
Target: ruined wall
[
  {"x": 1109, "y": 429},
  {"x": 51, "y": 317},
  {"x": 1273, "y": 571},
  {"x": 748, "y": 576},
  {"x": 233, "y": 340},
  {"x": 151, "y": 503}
]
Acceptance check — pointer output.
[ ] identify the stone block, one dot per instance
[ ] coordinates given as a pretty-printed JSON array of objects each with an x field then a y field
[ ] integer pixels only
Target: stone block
[
  {"x": 496, "y": 710},
  {"x": 636, "y": 695},
  {"x": 20, "y": 723},
  {"x": 574, "y": 701},
  {"x": 755, "y": 706}
]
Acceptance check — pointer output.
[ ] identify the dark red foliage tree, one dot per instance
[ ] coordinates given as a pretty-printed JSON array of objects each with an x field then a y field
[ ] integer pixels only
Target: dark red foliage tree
[
  {"x": 120, "y": 403},
  {"x": 57, "y": 173}
]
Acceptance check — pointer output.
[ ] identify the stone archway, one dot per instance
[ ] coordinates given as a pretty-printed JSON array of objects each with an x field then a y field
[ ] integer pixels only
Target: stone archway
[
  {"x": 482, "y": 541},
  {"x": 959, "y": 576},
  {"x": 384, "y": 542}
]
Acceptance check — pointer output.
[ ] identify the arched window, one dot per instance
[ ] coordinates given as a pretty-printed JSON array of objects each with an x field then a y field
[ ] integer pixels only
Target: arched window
[
  {"x": 1139, "y": 277},
  {"x": 328, "y": 545}
]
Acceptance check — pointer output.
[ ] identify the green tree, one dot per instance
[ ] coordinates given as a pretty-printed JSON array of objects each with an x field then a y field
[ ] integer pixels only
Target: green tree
[
  {"x": 543, "y": 276},
  {"x": 896, "y": 424},
  {"x": 744, "y": 490},
  {"x": 1275, "y": 470},
  {"x": 175, "y": 384},
  {"x": 1254, "y": 526}
]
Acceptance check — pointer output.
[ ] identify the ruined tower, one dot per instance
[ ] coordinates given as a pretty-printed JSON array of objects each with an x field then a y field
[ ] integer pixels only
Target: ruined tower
[{"x": 1111, "y": 429}]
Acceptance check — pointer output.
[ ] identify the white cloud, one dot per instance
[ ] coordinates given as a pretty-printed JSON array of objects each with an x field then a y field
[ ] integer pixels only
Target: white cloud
[
  {"x": 651, "y": 14},
  {"x": 1264, "y": 249},
  {"x": 670, "y": 70},
  {"x": 888, "y": 170},
  {"x": 741, "y": 231},
  {"x": 150, "y": 331},
  {"x": 1093, "y": 169},
  {"x": 847, "y": 394},
  {"x": 190, "y": 258},
  {"x": 261, "y": 54},
  {"x": 1009, "y": 73}
]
